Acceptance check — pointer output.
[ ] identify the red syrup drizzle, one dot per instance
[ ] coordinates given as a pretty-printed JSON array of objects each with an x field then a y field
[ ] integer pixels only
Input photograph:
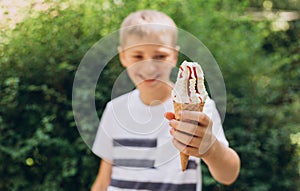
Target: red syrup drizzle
[
  {"x": 188, "y": 82},
  {"x": 196, "y": 85},
  {"x": 180, "y": 75}
]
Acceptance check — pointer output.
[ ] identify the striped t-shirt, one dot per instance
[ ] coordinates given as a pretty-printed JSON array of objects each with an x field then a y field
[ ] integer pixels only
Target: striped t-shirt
[{"x": 136, "y": 139}]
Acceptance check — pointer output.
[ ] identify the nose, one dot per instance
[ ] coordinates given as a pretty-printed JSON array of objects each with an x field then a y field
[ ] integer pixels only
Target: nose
[{"x": 149, "y": 67}]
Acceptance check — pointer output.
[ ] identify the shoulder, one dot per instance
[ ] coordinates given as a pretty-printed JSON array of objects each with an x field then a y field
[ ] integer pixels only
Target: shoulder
[
  {"x": 123, "y": 99},
  {"x": 210, "y": 109},
  {"x": 210, "y": 103}
]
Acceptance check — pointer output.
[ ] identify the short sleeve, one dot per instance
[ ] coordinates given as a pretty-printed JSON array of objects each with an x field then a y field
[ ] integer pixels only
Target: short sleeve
[
  {"x": 211, "y": 110},
  {"x": 103, "y": 144}
]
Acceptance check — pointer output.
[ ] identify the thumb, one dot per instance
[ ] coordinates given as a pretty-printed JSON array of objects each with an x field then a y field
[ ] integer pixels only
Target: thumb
[{"x": 169, "y": 115}]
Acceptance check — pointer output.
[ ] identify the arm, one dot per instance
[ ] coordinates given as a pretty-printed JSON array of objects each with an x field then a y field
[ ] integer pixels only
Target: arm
[
  {"x": 223, "y": 163},
  {"x": 193, "y": 136},
  {"x": 103, "y": 177}
]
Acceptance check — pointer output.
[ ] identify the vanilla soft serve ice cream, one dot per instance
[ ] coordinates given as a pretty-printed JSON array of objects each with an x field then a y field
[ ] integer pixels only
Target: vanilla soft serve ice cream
[{"x": 189, "y": 87}]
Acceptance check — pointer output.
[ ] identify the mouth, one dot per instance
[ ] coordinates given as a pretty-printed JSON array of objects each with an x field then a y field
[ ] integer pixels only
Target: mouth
[{"x": 149, "y": 79}]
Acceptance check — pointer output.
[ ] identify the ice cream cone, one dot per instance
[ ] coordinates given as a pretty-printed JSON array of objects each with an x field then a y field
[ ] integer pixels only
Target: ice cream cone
[
  {"x": 189, "y": 93},
  {"x": 190, "y": 107}
]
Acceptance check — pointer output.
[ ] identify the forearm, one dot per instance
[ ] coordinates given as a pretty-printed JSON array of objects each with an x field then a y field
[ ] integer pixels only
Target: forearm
[
  {"x": 223, "y": 163},
  {"x": 103, "y": 178}
]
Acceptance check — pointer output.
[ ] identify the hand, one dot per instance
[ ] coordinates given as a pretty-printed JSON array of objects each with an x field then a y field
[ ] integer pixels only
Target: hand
[{"x": 192, "y": 135}]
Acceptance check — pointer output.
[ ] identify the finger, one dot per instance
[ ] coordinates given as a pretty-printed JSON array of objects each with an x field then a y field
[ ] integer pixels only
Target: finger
[
  {"x": 195, "y": 116},
  {"x": 187, "y": 139},
  {"x": 191, "y": 151},
  {"x": 169, "y": 115},
  {"x": 187, "y": 127}
]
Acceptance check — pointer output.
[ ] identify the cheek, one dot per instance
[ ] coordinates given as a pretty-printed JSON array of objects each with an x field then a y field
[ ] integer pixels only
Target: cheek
[
  {"x": 167, "y": 67},
  {"x": 132, "y": 71},
  {"x": 166, "y": 71}
]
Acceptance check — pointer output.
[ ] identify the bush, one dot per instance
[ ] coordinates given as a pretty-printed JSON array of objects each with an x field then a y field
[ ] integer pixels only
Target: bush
[{"x": 41, "y": 148}]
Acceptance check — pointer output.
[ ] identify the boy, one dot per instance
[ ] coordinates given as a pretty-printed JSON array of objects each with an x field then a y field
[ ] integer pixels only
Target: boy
[{"x": 137, "y": 147}]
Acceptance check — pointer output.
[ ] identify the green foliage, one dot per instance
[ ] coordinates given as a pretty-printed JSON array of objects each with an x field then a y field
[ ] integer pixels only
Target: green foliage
[{"x": 41, "y": 148}]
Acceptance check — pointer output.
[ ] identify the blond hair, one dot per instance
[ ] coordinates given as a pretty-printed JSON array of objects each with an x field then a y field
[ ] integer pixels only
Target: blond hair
[{"x": 147, "y": 23}]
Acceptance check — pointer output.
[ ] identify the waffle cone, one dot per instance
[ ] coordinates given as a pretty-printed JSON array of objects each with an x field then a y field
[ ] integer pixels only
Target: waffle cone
[{"x": 190, "y": 107}]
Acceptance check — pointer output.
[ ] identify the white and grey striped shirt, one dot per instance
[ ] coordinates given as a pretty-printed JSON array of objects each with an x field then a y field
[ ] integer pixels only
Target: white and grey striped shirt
[{"x": 135, "y": 138}]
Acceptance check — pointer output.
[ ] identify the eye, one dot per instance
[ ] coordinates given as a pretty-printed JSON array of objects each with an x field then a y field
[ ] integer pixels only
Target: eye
[
  {"x": 138, "y": 57},
  {"x": 160, "y": 57}
]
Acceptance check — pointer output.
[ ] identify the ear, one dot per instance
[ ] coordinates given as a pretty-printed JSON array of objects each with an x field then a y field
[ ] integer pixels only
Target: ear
[{"x": 122, "y": 57}]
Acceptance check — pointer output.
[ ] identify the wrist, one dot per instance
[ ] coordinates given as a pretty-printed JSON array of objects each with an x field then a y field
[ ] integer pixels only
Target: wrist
[
  {"x": 207, "y": 146},
  {"x": 215, "y": 150}
]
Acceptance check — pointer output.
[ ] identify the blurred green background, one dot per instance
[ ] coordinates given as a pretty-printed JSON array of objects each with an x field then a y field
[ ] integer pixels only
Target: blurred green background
[{"x": 255, "y": 42}]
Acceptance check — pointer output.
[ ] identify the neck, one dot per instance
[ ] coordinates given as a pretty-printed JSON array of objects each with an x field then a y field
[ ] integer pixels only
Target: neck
[{"x": 157, "y": 96}]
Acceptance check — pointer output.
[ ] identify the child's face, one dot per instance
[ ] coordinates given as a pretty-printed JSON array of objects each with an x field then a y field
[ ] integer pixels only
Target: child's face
[{"x": 148, "y": 65}]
